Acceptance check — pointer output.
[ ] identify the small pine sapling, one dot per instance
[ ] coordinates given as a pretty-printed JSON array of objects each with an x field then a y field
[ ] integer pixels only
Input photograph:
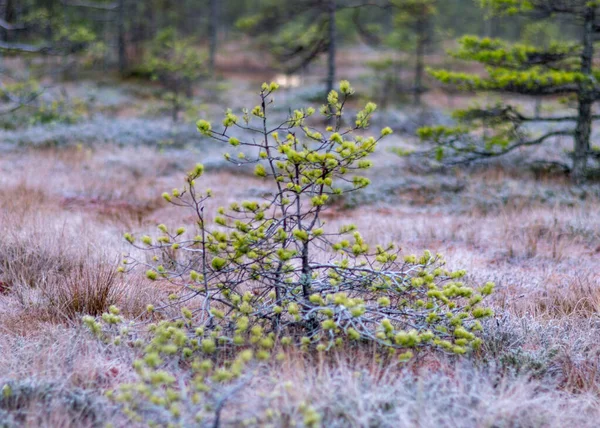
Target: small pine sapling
[{"x": 177, "y": 65}]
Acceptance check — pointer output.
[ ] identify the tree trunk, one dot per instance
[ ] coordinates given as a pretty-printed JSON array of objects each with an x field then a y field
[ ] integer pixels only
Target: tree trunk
[
  {"x": 585, "y": 100},
  {"x": 122, "y": 54},
  {"x": 582, "y": 140},
  {"x": 332, "y": 46},
  {"x": 419, "y": 66},
  {"x": 213, "y": 34},
  {"x": 9, "y": 16}
]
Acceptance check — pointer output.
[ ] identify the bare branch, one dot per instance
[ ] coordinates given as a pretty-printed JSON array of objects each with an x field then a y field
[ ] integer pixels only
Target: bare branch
[
  {"x": 91, "y": 5},
  {"x": 367, "y": 36},
  {"x": 10, "y": 27},
  {"x": 20, "y": 47},
  {"x": 510, "y": 114},
  {"x": 468, "y": 155}
]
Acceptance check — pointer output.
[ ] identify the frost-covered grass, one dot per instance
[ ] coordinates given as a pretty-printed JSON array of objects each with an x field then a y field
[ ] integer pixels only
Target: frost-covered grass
[{"x": 105, "y": 129}]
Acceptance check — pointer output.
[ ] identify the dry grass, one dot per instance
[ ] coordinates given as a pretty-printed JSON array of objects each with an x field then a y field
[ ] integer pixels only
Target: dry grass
[
  {"x": 44, "y": 405},
  {"x": 58, "y": 264},
  {"x": 29, "y": 262},
  {"x": 578, "y": 298}
]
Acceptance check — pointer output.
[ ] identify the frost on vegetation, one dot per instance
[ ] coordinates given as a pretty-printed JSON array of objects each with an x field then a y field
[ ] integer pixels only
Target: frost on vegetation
[
  {"x": 104, "y": 129},
  {"x": 38, "y": 107},
  {"x": 35, "y": 403},
  {"x": 269, "y": 276},
  {"x": 561, "y": 353},
  {"x": 467, "y": 397}
]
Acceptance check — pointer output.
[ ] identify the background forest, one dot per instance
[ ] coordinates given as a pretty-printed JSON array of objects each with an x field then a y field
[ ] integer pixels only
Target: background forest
[{"x": 299, "y": 213}]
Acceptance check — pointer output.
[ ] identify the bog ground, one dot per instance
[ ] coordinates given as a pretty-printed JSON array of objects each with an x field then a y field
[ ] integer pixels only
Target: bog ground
[{"x": 68, "y": 192}]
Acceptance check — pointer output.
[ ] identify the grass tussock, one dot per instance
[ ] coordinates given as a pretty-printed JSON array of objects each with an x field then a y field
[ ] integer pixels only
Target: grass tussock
[
  {"x": 84, "y": 290},
  {"x": 45, "y": 269}
]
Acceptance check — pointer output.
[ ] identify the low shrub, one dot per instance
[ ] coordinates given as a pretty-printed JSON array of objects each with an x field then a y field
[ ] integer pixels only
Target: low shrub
[
  {"x": 269, "y": 276},
  {"x": 177, "y": 65}
]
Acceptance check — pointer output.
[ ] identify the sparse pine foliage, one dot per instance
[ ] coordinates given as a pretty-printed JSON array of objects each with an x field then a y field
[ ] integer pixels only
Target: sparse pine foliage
[
  {"x": 177, "y": 64},
  {"x": 558, "y": 69},
  {"x": 413, "y": 29},
  {"x": 417, "y": 16},
  {"x": 270, "y": 274}
]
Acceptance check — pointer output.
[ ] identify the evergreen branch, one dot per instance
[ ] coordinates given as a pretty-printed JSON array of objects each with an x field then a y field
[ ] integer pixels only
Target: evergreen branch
[
  {"x": 386, "y": 5},
  {"x": 500, "y": 54},
  {"x": 19, "y": 103},
  {"x": 306, "y": 53},
  {"x": 539, "y": 9},
  {"x": 530, "y": 82},
  {"x": 529, "y": 143},
  {"x": 510, "y": 114}
]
